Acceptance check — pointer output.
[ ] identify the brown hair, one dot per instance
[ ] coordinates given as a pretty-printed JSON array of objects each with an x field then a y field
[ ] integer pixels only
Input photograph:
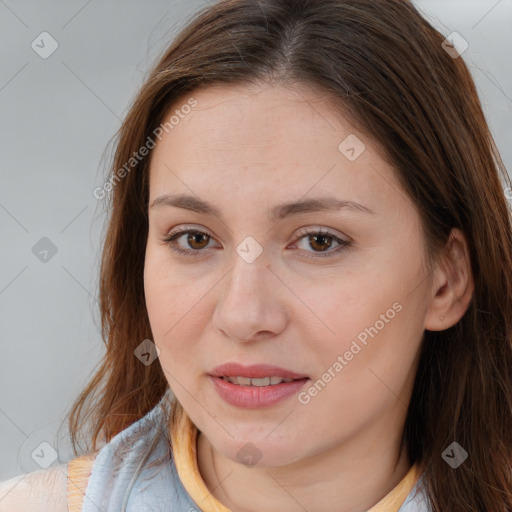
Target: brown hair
[{"x": 387, "y": 67}]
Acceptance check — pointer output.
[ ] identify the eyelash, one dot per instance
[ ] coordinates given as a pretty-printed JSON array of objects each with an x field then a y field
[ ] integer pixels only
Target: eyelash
[{"x": 170, "y": 240}]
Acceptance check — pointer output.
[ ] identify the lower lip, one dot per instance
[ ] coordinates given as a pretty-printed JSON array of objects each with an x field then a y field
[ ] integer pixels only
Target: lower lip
[{"x": 254, "y": 397}]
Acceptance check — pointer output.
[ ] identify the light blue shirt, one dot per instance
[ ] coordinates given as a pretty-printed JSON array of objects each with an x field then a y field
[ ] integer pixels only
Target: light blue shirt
[{"x": 122, "y": 481}]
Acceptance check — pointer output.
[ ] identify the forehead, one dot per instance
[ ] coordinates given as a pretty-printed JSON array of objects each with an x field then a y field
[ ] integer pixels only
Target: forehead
[
  {"x": 258, "y": 140},
  {"x": 245, "y": 118}
]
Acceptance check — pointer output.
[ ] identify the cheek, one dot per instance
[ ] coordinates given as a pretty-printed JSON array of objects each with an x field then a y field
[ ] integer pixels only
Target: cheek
[
  {"x": 173, "y": 304},
  {"x": 365, "y": 373},
  {"x": 167, "y": 294},
  {"x": 351, "y": 306},
  {"x": 157, "y": 291},
  {"x": 370, "y": 363},
  {"x": 372, "y": 328}
]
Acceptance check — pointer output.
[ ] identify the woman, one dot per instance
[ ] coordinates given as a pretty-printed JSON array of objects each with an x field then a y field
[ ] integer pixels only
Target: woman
[{"x": 310, "y": 246}]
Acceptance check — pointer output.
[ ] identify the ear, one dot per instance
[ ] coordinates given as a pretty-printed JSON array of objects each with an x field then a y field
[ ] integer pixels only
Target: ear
[{"x": 452, "y": 285}]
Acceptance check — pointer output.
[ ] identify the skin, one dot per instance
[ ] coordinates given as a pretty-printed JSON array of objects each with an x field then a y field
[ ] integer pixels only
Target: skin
[{"x": 246, "y": 149}]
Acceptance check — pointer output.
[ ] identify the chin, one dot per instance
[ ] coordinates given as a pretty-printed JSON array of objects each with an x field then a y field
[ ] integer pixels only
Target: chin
[{"x": 257, "y": 450}]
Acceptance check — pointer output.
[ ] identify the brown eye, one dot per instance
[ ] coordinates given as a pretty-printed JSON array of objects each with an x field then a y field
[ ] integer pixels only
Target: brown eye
[
  {"x": 197, "y": 238},
  {"x": 194, "y": 242},
  {"x": 321, "y": 241}
]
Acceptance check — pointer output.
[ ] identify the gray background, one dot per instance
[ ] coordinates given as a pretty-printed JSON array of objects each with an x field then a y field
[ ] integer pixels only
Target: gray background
[{"x": 57, "y": 116}]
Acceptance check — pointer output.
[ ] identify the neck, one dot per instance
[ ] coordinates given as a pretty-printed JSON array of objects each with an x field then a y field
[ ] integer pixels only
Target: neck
[{"x": 354, "y": 475}]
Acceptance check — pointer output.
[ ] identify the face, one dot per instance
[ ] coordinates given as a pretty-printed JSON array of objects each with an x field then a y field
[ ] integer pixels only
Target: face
[{"x": 333, "y": 298}]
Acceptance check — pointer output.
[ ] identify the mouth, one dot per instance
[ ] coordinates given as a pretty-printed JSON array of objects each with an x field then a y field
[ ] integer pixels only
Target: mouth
[{"x": 255, "y": 386}]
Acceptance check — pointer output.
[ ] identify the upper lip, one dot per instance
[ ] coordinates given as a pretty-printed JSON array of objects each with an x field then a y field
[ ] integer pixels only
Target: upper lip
[{"x": 256, "y": 371}]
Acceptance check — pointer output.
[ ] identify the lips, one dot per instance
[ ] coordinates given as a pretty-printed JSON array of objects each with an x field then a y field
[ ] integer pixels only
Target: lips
[{"x": 255, "y": 386}]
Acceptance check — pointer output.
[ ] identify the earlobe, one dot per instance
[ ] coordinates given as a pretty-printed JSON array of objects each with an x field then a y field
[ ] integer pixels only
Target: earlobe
[{"x": 452, "y": 285}]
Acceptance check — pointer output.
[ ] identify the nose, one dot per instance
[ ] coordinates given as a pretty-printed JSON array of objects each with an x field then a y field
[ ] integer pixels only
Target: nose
[{"x": 251, "y": 303}]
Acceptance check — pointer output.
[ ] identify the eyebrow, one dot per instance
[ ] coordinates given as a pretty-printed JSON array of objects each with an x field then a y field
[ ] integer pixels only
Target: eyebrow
[{"x": 320, "y": 204}]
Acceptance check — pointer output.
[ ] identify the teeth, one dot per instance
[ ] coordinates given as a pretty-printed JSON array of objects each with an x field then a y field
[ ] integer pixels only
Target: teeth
[{"x": 262, "y": 382}]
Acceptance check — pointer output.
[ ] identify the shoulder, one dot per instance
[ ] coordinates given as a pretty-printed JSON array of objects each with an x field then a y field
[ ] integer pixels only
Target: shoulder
[
  {"x": 47, "y": 490},
  {"x": 44, "y": 490}
]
